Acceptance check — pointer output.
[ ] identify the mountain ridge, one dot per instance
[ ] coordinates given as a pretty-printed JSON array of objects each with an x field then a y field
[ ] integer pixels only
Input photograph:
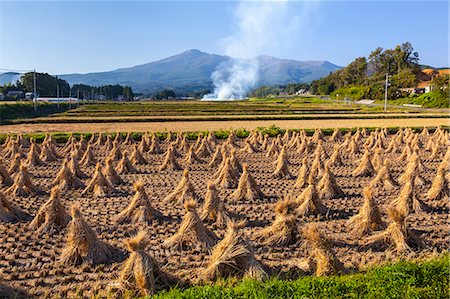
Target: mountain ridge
[{"x": 191, "y": 70}]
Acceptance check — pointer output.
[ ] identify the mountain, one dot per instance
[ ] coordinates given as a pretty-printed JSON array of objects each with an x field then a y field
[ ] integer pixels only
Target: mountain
[
  {"x": 191, "y": 70},
  {"x": 281, "y": 71},
  {"x": 9, "y": 77}
]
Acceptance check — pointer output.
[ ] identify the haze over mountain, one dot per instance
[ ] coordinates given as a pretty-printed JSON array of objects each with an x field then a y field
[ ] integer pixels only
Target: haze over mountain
[
  {"x": 191, "y": 71},
  {"x": 9, "y": 77}
]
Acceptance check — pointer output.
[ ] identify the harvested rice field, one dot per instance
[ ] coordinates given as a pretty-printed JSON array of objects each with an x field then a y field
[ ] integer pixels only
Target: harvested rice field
[
  {"x": 177, "y": 126},
  {"x": 117, "y": 214}
]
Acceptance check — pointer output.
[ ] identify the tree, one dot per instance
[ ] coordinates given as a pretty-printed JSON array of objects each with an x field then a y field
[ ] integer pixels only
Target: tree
[
  {"x": 46, "y": 85},
  {"x": 165, "y": 94}
]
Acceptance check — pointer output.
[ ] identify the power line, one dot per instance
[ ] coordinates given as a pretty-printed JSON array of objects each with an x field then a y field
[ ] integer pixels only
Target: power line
[{"x": 15, "y": 71}]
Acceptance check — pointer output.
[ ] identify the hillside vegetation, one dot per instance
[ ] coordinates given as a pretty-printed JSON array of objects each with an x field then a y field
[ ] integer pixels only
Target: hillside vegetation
[{"x": 365, "y": 78}]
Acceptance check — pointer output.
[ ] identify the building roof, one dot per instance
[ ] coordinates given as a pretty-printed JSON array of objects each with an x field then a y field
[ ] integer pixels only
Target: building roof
[
  {"x": 444, "y": 72},
  {"x": 428, "y": 71},
  {"x": 423, "y": 84}
]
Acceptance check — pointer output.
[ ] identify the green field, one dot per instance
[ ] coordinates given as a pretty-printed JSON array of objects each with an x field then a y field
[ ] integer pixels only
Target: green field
[
  {"x": 262, "y": 108},
  {"x": 402, "y": 280}
]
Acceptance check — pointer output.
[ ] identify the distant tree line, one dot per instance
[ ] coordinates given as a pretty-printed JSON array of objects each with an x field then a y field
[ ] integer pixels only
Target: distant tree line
[
  {"x": 277, "y": 90},
  {"x": 109, "y": 92},
  {"x": 47, "y": 86}
]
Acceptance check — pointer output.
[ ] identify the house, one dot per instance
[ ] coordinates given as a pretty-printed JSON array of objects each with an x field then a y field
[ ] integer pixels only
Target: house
[
  {"x": 29, "y": 95},
  {"x": 426, "y": 77},
  {"x": 425, "y": 86},
  {"x": 2, "y": 97},
  {"x": 15, "y": 94}
]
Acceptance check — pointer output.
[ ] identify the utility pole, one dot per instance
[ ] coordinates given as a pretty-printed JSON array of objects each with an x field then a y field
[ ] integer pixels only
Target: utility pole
[
  {"x": 57, "y": 94},
  {"x": 70, "y": 97},
  {"x": 386, "y": 92},
  {"x": 34, "y": 91}
]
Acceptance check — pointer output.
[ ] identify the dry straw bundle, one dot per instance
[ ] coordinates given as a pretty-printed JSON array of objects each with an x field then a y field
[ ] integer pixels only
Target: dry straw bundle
[
  {"x": 118, "y": 138},
  {"x": 233, "y": 256},
  {"x": 5, "y": 178},
  {"x": 336, "y": 158},
  {"x": 320, "y": 151},
  {"x": 192, "y": 232},
  {"x": 108, "y": 146},
  {"x": 204, "y": 149},
  {"x": 336, "y": 136},
  {"x": 191, "y": 157},
  {"x": 170, "y": 161},
  {"x": 247, "y": 187},
  {"x": 12, "y": 150},
  {"x": 249, "y": 148},
  {"x": 48, "y": 152},
  {"x": 353, "y": 147},
  {"x": 100, "y": 140},
  {"x": 110, "y": 172},
  {"x": 14, "y": 166},
  {"x": 65, "y": 179},
  {"x": 22, "y": 185},
  {"x": 304, "y": 148},
  {"x": 384, "y": 178},
  {"x": 213, "y": 208},
  {"x": 99, "y": 184},
  {"x": 140, "y": 208},
  {"x": 316, "y": 168},
  {"x": 283, "y": 230},
  {"x": 184, "y": 145},
  {"x": 141, "y": 273},
  {"x": 212, "y": 140},
  {"x": 407, "y": 202},
  {"x": 82, "y": 244},
  {"x": 317, "y": 136},
  {"x": 129, "y": 140},
  {"x": 368, "y": 219},
  {"x": 281, "y": 166},
  {"x": 265, "y": 142},
  {"x": 309, "y": 202},
  {"x": 328, "y": 187},
  {"x": 302, "y": 177},
  {"x": 33, "y": 156},
  {"x": 218, "y": 156},
  {"x": 88, "y": 158},
  {"x": 51, "y": 216},
  {"x": 125, "y": 166},
  {"x": 396, "y": 234},
  {"x": 184, "y": 191},
  {"x": 75, "y": 167},
  {"x": 230, "y": 143},
  {"x": 273, "y": 149},
  {"x": 365, "y": 167},
  {"x": 116, "y": 153},
  {"x": 143, "y": 144},
  {"x": 322, "y": 259},
  {"x": 235, "y": 161},
  {"x": 154, "y": 146},
  {"x": 136, "y": 156},
  {"x": 8, "y": 211},
  {"x": 226, "y": 176},
  {"x": 377, "y": 160},
  {"x": 439, "y": 191}
]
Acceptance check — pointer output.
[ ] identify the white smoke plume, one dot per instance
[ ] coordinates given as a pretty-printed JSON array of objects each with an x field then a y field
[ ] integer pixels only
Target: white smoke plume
[{"x": 261, "y": 26}]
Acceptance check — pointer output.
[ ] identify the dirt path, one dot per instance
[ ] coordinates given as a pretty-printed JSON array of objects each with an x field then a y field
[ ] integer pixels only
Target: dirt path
[
  {"x": 307, "y": 114},
  {"x": 217, "y": 125}
]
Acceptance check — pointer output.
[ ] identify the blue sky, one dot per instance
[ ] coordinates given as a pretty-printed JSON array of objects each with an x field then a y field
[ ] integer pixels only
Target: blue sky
[{"x": 83, "y": 36}]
